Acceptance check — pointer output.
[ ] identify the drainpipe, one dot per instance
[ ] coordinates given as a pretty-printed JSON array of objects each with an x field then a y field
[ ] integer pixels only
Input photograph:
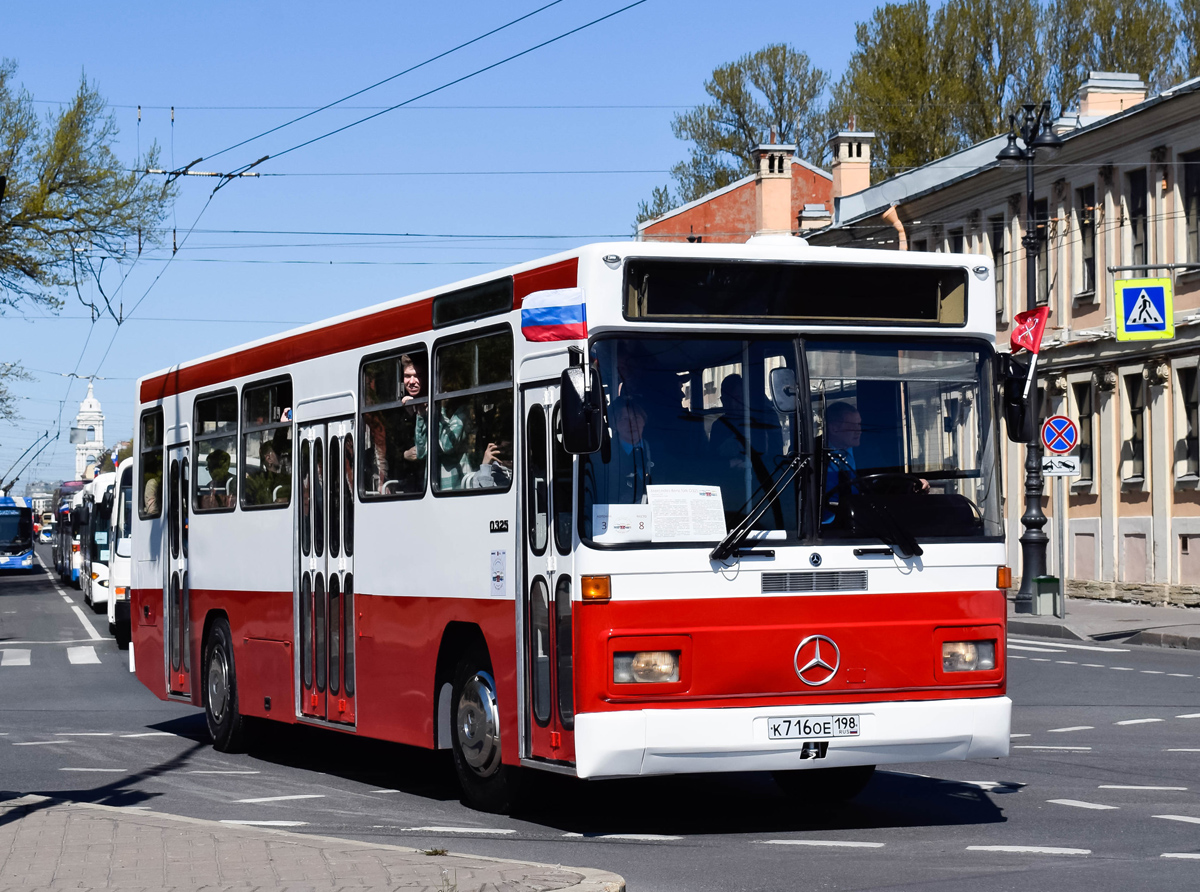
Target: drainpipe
[{"x": 890, "y": 216}]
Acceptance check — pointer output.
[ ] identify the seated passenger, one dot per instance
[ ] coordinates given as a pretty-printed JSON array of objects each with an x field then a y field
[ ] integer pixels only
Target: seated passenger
[
  {"x": 494, "y": 469},
  {"x": 219, "y": 491}
]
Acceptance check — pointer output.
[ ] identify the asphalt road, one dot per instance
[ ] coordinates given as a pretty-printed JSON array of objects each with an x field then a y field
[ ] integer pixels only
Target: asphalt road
[{"x": 1102, "y": 790}]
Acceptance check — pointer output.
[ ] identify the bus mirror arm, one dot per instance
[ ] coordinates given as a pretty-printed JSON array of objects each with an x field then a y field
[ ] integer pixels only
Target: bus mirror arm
[
  {"x": 1018, "y": 408},
  {"x": 582, "y": 407}
]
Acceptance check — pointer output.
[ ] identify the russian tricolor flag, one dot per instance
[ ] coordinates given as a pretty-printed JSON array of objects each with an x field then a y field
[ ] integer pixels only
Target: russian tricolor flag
[{"x": 557, "y": 315}]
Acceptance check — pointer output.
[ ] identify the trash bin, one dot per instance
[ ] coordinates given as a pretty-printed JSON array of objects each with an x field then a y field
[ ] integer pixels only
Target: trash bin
[{"x": 1046, "y": 601}]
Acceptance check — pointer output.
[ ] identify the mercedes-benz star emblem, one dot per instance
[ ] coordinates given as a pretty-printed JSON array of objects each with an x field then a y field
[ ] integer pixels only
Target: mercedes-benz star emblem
[
  {"x": 814, "y": 559},
  {"x": 816, "y": 669}
]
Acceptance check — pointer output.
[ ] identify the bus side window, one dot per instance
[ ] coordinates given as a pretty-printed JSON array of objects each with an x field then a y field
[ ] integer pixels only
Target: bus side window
[
  {"x": 150, "y": 460},
  {"x": 215, "y": 453},
  {"x": 266, "y": 459},
  {"x": 473, "y": 414},
  {"x": 393, "y": 394}
]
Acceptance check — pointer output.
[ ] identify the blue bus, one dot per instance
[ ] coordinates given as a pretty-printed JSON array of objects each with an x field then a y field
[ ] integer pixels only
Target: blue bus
[{"x": 16, "y": 534}]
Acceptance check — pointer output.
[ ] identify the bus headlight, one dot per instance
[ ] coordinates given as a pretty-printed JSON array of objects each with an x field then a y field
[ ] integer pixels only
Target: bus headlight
[
  {"x": 646, "y": 667},
  {"x": 968, "y": 656}
]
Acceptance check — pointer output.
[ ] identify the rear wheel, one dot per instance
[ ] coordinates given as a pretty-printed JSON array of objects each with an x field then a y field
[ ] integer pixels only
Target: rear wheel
[
  {"x": 487, "y": 783},
  {"x": 225, "y": 723},
  {"x": 825, "y": 784}
]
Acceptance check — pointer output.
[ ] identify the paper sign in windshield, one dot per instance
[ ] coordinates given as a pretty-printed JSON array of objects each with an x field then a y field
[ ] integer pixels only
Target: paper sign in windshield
[
  {"x": 687, "y": 513},
  {"x": 622, "y": 523}
]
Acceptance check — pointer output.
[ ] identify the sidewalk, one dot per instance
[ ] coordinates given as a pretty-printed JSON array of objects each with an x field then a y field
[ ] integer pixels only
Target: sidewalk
[
  {"x": 1114, "y": 621},
  {"x": 53, "y": 845}
]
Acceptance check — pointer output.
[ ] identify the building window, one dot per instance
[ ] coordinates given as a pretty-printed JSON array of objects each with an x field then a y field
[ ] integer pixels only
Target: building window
[
  {"x": 1083, "y": 409},
  {"x": 956, "y": 241},
  {"x": 1137, "y": 217},
  {"x": 1190, "y": 393},
  {"x": 996, "y": 236},
  {"x": 1041, "y": 216},
  {"x": 1135, "y": 442},
  {"x": 1085, "y": 200},
  {"x": 1191, "y": 203}
]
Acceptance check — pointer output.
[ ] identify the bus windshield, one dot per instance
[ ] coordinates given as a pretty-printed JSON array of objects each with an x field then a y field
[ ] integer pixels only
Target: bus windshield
[
  {"x": 101, "y": 515},
  {"x": 901, "y": 432},
  {"x": 16, "y": 530}
]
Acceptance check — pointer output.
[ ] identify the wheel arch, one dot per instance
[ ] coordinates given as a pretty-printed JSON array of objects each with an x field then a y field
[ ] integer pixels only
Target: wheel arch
[
  {"x": 458, "y": 638},
  {"x": 210, "y": 619}
]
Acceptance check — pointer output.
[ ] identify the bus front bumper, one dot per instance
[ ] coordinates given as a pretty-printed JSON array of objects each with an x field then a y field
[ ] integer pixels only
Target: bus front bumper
[{"x": 686, "y": 741}]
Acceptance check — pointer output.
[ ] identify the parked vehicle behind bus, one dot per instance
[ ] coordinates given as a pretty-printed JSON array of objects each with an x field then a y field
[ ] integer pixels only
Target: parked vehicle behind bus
[
  {"x": 16, "y": 533},
  {"x": 636, "y": 509},
  {"x": 119, "y": 564},
  {"x": 94, "y": 540}
]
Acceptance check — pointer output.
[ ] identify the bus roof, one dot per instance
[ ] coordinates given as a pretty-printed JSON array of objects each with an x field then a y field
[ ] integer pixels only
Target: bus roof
[{"x": 15, "y": 502}]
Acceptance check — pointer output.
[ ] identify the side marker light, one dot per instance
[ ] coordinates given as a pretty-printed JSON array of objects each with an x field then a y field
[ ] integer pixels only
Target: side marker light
[{"x": 595, "y": 588}]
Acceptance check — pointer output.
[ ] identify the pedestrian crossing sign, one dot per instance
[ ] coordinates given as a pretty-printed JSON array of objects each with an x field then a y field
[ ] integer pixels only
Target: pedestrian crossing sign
[{"x": 1143, "y": 309}]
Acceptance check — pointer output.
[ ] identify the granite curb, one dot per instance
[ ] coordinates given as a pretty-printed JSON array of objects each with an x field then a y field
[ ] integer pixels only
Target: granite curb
[{"x": 97, "y": 863}]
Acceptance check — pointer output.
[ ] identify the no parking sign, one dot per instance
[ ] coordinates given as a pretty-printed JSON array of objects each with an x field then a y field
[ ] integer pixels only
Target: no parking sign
[{"x": 1059, "y": 434}]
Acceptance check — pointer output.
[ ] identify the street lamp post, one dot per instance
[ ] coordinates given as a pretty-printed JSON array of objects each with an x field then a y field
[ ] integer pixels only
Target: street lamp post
[{"x": 1036, "y": 133}]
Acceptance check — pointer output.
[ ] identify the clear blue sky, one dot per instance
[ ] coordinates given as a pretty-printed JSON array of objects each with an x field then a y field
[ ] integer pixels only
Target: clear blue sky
[{"x": 600, "y": 100}]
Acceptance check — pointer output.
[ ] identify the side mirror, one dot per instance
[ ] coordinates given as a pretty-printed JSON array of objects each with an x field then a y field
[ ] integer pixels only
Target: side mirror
[
  {"x": 107, "y": 501},
  {"x": 1020, "y": 413},
  {"x": 582, "y": 410},
  {"x": 783, "y": 390},
  {"x": 125, "y": 547}
]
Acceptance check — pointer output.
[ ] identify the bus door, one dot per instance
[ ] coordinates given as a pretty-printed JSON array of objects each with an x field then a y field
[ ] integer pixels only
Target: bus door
[
  {"x": 547, "y": 494},
  {"x": 325, "y": 564},
  {"x": 177, "y": 609}
]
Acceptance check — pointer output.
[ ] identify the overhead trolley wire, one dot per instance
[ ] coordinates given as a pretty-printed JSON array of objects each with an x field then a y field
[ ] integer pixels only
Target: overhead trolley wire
[{"x": 409, "y": 70}]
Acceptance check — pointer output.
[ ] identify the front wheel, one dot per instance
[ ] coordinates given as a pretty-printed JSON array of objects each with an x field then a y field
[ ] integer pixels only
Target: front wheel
[
  {"x": 487, "y": 783},
  {"x": 225, "y": 723},
  {"x": 825, "y": 784}
]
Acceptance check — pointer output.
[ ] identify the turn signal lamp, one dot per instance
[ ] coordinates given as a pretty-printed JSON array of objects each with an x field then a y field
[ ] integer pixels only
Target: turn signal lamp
[
  {"x": 594, "y": 588},
  {"x": 95, "y": 576},
  {"x": 968, "y": 656},
  {"x": 121, "y": 592},
  {"x": 1004, "y": 577},
  {"x": 646, "y": 667}
]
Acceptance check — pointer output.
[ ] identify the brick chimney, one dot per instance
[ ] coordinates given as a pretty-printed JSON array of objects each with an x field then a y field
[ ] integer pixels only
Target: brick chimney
[
  {"x": 773, "y": 189},
  {"x": 1108, "y": 92},
  {"x": 851, "y": 151}
]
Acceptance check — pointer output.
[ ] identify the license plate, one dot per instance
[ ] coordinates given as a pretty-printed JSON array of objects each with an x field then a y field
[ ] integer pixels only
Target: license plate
[{"x": 813, "y": 727}]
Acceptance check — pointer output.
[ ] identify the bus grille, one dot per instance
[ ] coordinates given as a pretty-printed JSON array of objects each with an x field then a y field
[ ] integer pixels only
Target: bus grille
[{"x": 814, "y": 581}]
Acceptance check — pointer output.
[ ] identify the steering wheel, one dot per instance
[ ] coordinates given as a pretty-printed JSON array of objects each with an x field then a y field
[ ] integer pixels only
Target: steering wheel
[{"x": 890, "y": 483}]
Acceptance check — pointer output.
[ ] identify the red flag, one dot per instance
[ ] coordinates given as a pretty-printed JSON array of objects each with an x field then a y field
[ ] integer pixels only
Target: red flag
[{"x": 1028, "y": 328}]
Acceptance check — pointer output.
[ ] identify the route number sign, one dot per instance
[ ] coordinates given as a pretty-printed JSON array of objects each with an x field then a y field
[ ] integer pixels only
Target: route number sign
[{"x": 1059, "y": 434}]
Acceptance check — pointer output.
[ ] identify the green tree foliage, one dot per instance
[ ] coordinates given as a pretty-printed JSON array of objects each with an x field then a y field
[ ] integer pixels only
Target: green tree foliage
[
  {"x": 774, "y": 90},
  {"x": 1137, "y": 36},
  {"x": 896, "y": 84},
  {"x": 1189, "y": 39},
  {"x": 9, "y": 372},
  {"x": 69, "y": 202}
]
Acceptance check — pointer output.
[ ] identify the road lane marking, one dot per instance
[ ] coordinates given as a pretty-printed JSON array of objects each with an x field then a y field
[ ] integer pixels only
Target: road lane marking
[
  {"x": 39, "y": 742},
  {"x": 1079, "y": 803},
  {"x": 1180, "y": 675},
  {"x": 1123, "y": 668},
  {"x": 1187, "y": 819},
  {"x": 83, "y": 733},
  {"x": 1040, "y": 650},
  {"x": 91, "y": 630},
  {"x": 1016, "y": 657},
  {"x": 198, "y": 771},
  {"x": 839, "y": 844},
  {"x": 1031, "y": 746},
  {"x": 1040, "y": 659},
  {"x": 383, "y": 791},
  {"x": 151, "y": 734},
  {"x": 284, "y": 798},
  {"x": 1189, "y": 715},
  {"x": 84, "y": 654},
  {"x": 269, "y": 823},
  {"x": 1137, "y": 721},
  {"x": 1093, "y": 647},
  {"x": 1152, "y": 672},
  {"x": 14, "y": 657},
  {"x": 1067, "y": 662},
  {"x": 1094, "y": 665},
  {"x": 1036, "y": 850},
  {"x": 1137, "y": 787},
  {"x": 988, "y": 786},
  {"x": 1072, "y": 728},
  {"x": 632, "y": 837},
  {"x": 100, "y": 770},
  {"x": 1189, "y": 855},
  {"x": 1012, "y": 736},
  {"x": 1192, "y": 750},
  {"x": 503, "y": 830}
]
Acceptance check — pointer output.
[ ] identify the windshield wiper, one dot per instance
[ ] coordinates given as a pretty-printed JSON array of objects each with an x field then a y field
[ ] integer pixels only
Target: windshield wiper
[
  {"x": 735, "y": 537},
  {"x": 888, "y": 530}
]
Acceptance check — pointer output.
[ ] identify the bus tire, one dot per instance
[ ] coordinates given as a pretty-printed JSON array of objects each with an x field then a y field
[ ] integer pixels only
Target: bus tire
[
  {"x": 225, "y": 723},
  {"x": 825, "y": 784},
  {"x": 487, "y": 784}
]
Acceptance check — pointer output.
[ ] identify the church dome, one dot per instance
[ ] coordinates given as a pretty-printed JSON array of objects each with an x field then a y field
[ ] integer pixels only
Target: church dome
[{"x": 90, "y": 403}]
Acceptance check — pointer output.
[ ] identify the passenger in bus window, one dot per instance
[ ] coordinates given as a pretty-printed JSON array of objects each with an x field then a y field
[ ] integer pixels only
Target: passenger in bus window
[
  {"x": 150, "y": 495},
  {"x": 455, "y": 428},
  {"x": 218, "y": 492},
  {"x": 631, "y": 465},
  {"x": 495, "y": 468},
  {"x": 270, "y": 484}
]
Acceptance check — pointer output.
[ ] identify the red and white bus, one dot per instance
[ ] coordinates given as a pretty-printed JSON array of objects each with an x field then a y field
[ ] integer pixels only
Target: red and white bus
[{"x": 634, "y": 509}]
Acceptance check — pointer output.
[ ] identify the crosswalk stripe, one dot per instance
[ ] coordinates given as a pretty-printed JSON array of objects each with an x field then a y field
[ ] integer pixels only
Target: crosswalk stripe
[
  {"x": 82, "y": 654},
  {"x": 14, "y": 657}
]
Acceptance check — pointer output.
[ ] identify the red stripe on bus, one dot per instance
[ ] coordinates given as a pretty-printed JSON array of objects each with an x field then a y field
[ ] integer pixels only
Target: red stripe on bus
[
  {"x": 396, "y": 322},
  {"x": 547, "y": 278}
]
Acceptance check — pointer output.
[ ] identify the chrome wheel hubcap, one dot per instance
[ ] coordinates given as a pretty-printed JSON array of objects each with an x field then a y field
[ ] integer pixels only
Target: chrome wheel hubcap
[
  {"x": 477, "y": 725},
  {"x": 218, "y": 684}
]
